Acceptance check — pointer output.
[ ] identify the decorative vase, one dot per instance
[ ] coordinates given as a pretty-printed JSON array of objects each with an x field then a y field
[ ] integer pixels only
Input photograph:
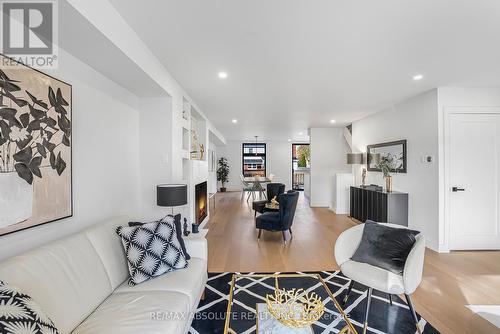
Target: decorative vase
[
  {"x": 195, "y": 228},
  {"x": 388, "y": 183},
  {"x": 16, "y": 199}
]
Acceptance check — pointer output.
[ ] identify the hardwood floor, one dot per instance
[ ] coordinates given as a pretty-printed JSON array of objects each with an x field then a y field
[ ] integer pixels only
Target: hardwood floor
[{"x": 450, "y": 281}]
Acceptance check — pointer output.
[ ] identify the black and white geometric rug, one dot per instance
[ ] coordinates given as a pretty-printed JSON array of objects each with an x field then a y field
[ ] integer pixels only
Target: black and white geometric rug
[{"x": 383, "y": 319}]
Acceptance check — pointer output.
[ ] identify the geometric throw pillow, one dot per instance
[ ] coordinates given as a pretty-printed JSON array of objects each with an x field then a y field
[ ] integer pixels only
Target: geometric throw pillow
[
  {"x": 385, "y": 247},
  {"x": 152, "y": 250},
  {"x": 176, "y": 221},
  {"x": 20, "y": 314}
]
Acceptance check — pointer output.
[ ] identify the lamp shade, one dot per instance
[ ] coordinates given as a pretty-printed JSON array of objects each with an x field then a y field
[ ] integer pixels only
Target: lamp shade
[
  {"x": 355, "y": 158},
  {"x": 171, "y": 194}
]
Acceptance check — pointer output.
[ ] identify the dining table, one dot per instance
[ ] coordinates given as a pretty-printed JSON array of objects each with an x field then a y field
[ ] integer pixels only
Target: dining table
[{"x": 257, "y": 183}]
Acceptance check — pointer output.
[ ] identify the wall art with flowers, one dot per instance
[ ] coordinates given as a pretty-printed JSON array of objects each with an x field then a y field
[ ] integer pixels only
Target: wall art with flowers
[{"x": 35, "y": 148}]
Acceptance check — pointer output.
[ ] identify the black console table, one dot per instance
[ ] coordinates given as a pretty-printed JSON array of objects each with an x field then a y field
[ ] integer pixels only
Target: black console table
[{"x": 378, "y": 205}]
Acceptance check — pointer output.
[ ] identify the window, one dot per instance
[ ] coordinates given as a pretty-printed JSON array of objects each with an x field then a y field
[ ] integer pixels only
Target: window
[
  {"x": 300, "y": 157},
  {"x": 254, "y": 159}
]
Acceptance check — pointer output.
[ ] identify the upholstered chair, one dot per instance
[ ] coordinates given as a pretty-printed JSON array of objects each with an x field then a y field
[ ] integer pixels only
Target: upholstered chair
[
  {"x": 378, "y": 278},
  {"x": 273, "y": 189},
  {"x": 282, "y": 220}
]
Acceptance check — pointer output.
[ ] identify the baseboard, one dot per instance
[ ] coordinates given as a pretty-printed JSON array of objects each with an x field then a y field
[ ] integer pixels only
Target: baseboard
[
  {"x": 340, "y": 211},
  {"x": 319, "y": 204}
]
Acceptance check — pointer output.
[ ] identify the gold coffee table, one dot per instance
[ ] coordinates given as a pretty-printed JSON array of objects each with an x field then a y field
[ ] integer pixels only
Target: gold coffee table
[{"x": 248, "y": 294}]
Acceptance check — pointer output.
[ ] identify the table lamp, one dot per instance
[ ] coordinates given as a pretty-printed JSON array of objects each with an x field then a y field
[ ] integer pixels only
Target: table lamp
[
  {"x": 171, "y": 195},
  {"x": 358, "y": 159}
]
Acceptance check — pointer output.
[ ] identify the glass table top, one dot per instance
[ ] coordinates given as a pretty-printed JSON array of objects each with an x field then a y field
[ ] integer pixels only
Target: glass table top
[{"x": 247, "y": 311}]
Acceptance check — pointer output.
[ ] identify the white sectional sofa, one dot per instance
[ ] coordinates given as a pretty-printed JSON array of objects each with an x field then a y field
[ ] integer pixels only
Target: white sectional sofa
[{"x": 80, "y": 282}]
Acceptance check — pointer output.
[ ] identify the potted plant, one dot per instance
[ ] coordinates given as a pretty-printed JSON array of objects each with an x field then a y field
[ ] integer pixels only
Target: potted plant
[
  {"x": 387, "y": 164},
  {"x": 223, "y": 173},
  {"x": 33, "y": 131}
]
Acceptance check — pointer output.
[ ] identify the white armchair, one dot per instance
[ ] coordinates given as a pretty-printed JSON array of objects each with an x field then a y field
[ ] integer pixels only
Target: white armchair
[{"x": 378, "y": 278}]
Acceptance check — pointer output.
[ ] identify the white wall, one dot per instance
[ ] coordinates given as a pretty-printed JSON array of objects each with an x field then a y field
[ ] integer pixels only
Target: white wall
[
  {"x": 328, "y": 157},
  {"x": 104, "y": 16},
  {"x": 155, "y": 153},
  {"x": 415, "y": 120},
  {"x": 232, "y": 152},
  {"x": 457, "y": 97},
  {"x": 341, "y": 193},
  {"x": 212, "y": 175},
  {"x": 105, "y": 156},
  {"x": 107, "y": 132},
  {"x": 279, "y": 162},
  {"x": 111, "y": 24}
]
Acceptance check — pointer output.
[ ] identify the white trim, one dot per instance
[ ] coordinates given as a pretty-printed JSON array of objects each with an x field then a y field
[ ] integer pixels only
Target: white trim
[
  {"x": 341, "y": 211},
  {"x": 446, "y": 185}
]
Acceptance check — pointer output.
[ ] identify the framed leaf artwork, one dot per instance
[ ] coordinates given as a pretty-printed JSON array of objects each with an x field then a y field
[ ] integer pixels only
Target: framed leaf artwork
[{"x": 35, "y": 147}]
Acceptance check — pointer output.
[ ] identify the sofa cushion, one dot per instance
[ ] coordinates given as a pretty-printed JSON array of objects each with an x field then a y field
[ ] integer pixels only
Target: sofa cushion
[
  {"x": 66, "y": 278},
  {"x": 139, "y": 312},
  {"x": 21, "y": 314},
  {"x": 189, "y": 281},
  {"x": 152, "y": 250},
  {"x": 110, "y": 250},
  {"x": 269, "y": 221}
]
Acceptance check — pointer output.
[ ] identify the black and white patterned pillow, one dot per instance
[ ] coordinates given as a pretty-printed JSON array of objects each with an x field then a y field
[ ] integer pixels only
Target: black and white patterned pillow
[
  {"x": 176, "y": 223},
  {"x": 152, "y": 250},
  {"x": 20, "y": 314}
]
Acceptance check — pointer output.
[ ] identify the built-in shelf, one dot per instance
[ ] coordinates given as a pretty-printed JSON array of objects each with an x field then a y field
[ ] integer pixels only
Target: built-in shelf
[
  {"x": 193, "y": 129},
  {"x": 185, "y": 154},
  {"x": 200, "y": 235},
  {"x": 186, "y": 110},
  {"x": 185, "y": 139},
  {"x": 198, "y": 143},
  {"x": 186, "y": 167}
]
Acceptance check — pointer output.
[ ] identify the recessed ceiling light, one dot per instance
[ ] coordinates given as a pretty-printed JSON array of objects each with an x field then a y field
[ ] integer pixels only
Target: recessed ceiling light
[
  {"x": 301, "y": 133},
  {"x": 332, "y": 121},
  {"x": 222, "y": 75},
  {"x": 234, "y": 120},
  {"x": 289, "y": 139},
  {"x": 418, "y": 77}
]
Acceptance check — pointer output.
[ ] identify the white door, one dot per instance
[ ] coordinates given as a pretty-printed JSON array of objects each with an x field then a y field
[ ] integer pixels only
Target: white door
[{"x": 474, "y": 143}]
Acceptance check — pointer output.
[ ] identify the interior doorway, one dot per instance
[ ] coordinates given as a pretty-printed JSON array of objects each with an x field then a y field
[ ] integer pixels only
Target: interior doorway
[{"x": 300, "y": 165}]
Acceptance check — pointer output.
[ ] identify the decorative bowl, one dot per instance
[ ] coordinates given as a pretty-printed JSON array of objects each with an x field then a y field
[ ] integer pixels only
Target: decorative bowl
[{"x": 295, "y": 308}]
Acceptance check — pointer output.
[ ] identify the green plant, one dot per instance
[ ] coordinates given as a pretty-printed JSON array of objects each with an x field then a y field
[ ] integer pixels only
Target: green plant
[
  {"x": 304, "y": 155},
  {"x": 222, "y": 171},
  {"x": 389, "y": 163}
]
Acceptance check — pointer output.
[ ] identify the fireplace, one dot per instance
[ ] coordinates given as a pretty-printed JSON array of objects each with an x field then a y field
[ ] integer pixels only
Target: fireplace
[{"x": 201, "y": 202}]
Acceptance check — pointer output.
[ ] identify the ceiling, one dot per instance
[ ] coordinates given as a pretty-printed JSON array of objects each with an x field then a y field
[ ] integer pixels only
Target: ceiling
[
  {"x": 295, "y": 64},
  {"x": 94, "y": 49}
]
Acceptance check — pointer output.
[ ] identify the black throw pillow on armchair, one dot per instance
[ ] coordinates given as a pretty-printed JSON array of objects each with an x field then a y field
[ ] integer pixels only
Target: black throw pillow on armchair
[{"x": 385, "y": 247}]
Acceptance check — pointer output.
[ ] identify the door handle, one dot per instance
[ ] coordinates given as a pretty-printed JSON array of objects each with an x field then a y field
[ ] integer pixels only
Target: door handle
[{"x": 456, "y": 189}]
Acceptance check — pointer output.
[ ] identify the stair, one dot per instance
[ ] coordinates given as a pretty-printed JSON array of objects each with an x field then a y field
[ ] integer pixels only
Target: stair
[{"x": 348, "y": 135}]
